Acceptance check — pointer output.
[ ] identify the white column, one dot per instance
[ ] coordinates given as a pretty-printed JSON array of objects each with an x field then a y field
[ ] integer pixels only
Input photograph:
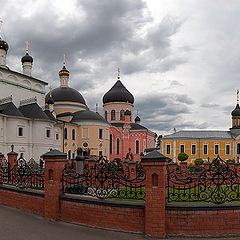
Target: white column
[
  {"x": 174, "y": 151},
  {"x": 3, "y": 55}
]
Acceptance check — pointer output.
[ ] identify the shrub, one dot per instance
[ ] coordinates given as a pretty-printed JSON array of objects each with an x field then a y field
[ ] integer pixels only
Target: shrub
[
  {"x": 230, "y": 161},
  {"x": 198, "y": 162},
  {"x": 182, "y": 157}
]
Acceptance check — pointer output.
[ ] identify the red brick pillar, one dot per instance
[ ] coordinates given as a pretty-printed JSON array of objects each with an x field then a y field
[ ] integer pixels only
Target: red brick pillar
[
  {"x": 183, "y": 166},
  {"x": 237, "y": 170},
  {"x": 12, "y": 157},
  {"x": 206, "y": 165},
  {"x": 155, "y": 166},
  {"x": 132, "y": 169},
  {"x": 54, "y": 165},
  {"x": 172, "y": 166}
]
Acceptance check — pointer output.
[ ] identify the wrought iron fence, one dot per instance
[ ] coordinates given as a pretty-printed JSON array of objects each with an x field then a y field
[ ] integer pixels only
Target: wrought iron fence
[
  {"x": 105, "y": 180},
  {"x": 216, "y": 184},
  {"x": 23, "y": 174}
]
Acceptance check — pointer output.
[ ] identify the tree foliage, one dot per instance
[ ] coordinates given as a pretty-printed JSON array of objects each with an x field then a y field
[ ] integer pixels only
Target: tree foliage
[{"x": 182, "y": 157}]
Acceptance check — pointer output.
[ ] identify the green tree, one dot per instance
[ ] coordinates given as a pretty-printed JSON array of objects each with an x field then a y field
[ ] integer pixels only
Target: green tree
[
  {"x": 182, "y": 157},
  {"x": 198, "y": 162}
]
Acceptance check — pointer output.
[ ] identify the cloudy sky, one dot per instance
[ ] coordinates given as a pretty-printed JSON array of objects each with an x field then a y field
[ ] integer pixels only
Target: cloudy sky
[{"x": 180, "y": 59}]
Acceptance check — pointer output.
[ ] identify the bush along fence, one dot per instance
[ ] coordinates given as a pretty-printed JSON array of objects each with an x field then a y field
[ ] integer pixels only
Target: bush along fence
[{"x": 156, "y": 197}]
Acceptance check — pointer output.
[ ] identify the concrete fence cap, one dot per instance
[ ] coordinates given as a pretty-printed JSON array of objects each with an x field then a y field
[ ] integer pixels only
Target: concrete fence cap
[
  {"x": 54, "y": 153},
  {"x": 154, "y": 156}
]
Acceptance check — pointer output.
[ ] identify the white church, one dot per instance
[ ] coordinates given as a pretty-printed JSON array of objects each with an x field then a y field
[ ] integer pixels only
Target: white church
[{"x": 23, "y": 120}]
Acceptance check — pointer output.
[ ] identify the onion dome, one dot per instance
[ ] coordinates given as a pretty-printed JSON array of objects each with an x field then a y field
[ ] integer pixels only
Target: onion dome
[
  {"x": 27, "y": 58},
  {"x": 64, "y": 72},
  {"x": 127, "y": 112},
  {"x": 137, "y": 119},
  {"x": 118, "y": 93},
  {"x": 236, "y": 111},
  {"x": 65, "y": 95},
  {"x": 3, "y": 44}
]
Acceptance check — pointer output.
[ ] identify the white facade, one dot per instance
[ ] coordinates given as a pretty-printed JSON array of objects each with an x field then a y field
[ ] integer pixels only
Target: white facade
[
  {"x": 34, "y": 140},
  {"x": 21, "y": 87}
]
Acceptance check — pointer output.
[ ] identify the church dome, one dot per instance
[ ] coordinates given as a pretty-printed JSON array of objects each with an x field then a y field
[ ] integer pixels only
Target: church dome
[
  {"x": 118, "y": 93},
  {"x": 236, "y": 111},
  {"x": 65, "y": 95},
  {"x": 3, "y": 45},
  {"x": 64, "y": 72},
  {"x": 27, "y": 58}
]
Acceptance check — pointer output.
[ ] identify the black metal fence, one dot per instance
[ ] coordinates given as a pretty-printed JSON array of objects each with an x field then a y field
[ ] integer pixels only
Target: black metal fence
[
  {"x": 105, "y": 180},
  {"x": 23, "y": 174},
  {"x": 216, "y": 183}
]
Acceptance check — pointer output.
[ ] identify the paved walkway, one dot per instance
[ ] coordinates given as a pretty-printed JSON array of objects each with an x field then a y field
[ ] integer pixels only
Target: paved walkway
[{"x": 18, "y": 225}]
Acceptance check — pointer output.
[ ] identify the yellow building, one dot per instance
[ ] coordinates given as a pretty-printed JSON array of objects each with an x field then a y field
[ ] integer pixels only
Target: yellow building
[
  {"x": 81, "y": 128},
  {"x": 205, "y": 144}
]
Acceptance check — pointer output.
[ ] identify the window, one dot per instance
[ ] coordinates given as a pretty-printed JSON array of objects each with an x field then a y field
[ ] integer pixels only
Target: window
[
  {"x": 48, "y": 133},
  {"x": 57, "y": 136},
  {"x": 105, "y": 115},
  {"x": 118, "y": 146},
  {"x": 205, "y": 149},
  {"x": 216, "y": 149},
  {"x": 100, "y": 136},
  {"x": 111, "y": 142},
  {"x": 69, "y": 154},
  {"x": 73, "y": 134},
  {"x": 100, "y": 153},
  {"x": 238, "y": 148},
  {"x": 137, "y": 146},
  {"x": 227, "y": 149},
  {"x": 168, "y": 150},
  {"x": 122, "y": 115},
  {"x": 193, "y": 149},
  {"x": 182, "y": 150},
  {"x": 65, "y": 133},
  {"x": 113, "y": 115},
  {"x": 20, "y": 131}
]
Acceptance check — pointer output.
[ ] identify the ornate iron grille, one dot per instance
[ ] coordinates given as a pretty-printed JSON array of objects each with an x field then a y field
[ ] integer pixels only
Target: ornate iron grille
[
  {"x": 216, "y": 184},
  {"x": 21, "y": 175},
  {"x": 105, "y": 180}
]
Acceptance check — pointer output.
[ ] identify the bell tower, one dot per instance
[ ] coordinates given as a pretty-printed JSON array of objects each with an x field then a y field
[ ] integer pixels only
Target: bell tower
[{"x": 236, "y": 114}]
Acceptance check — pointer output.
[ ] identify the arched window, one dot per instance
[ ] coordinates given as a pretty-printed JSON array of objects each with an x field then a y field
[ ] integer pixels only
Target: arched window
[
  {"x": 65, "y": 133},
  {"x": 238, "y": 148},
  {"x": 111, "y": 142},
  {"x": 73, "y": 134},
  {"x": 118, "y": 146},
  {"x": 122, "y": 115},
  {"x": 113, "y": 115},
  {"x": 137, "y": 147},
  {"x": 105, "y": 115}
]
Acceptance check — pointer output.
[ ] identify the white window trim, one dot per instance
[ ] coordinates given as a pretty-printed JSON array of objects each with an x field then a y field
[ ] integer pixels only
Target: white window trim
[
  {"x": 194, "y": 144},
  {"x": 229, "y": 149},
  {"x": 168, "y": 144},
  {"x": 136, "y": 146},
  {"x": 218, "y": 149},
  {"x": 203, "y": 148}
]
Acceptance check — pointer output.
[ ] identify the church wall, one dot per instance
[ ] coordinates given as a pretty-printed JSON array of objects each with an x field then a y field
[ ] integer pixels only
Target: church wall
[
  {"x": 117, "y": 107},
  {"x": 33, "y": 143},
  {"x": 87, "y": 133},
  {"x": 21, "y": 88}
]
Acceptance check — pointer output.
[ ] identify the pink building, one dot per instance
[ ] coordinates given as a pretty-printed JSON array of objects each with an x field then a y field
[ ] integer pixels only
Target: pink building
[{"x": 124, "y": 133}]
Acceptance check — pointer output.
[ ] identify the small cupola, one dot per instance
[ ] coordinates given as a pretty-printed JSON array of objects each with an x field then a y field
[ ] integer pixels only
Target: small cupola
[
  {"x": 27, "y": 62},
  {"x": 137, "y": 119},
  {"x": 64, "y": 74},
  {"x": 236, "y": 114}
]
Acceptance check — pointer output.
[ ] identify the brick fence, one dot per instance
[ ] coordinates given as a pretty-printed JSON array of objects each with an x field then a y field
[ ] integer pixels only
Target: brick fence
[{"x": 153, "y": 217}]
